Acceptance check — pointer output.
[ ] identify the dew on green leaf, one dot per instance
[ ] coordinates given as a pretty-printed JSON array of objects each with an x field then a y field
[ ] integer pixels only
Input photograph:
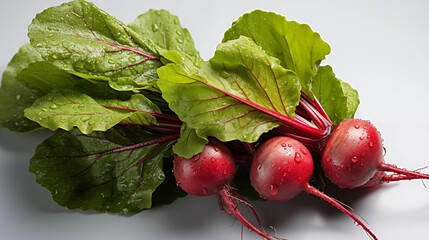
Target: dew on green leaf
[
  {"x": 85, "y": 118},
  {"x": 155, "y": 27}
]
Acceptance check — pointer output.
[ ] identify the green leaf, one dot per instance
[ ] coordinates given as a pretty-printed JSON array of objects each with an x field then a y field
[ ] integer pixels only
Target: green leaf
[
  {"x": 189, "y": 143},
  {"x": 142, "y": 109},
  {"x": 67, "y": 109},
  {"x": 104, "y": 171},
  {"x": 15, "y": 96},
  {"x": 80, "y": 38},
  {"x": 25, "y": 82},
  {"x": 238, "y": 95},
  {"x": 338, "y": 98},
  {"x": 41, "y": 77},
  {"x": 296, "y": 46},
  {"x": 164, "y": 29}
]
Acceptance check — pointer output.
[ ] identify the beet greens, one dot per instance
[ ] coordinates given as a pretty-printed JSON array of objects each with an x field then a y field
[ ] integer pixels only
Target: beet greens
[{"x": 127, "y": 105}]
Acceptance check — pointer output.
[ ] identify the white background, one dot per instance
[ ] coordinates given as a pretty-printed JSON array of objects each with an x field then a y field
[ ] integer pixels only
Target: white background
[{"x": 380, "y": 47}]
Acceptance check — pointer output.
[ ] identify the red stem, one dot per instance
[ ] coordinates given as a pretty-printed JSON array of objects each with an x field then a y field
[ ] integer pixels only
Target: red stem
[
  {"x": 411, "y": 174},
  {"x": 319, "y": 108},
  {"x": 227, "y": 202},
  {"x": 396, "y": 177},
  {"x": 300, "y": 126},
  {"x": 142, "y": 144},
  {"x": 318, "y": 119},
  {"x": 314, "y": 191},
  {"x": 167, "y": 117}
]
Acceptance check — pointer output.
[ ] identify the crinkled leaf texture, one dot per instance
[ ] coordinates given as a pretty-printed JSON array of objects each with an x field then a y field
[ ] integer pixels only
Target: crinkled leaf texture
[
  {"x": 189, "y": 142},
  {"x": 82, "y": 39},
  {"x": 338, "y": 98},
  {"x": 28, "y": 78},
  {"x": 165, "y": 30},
  {"x": 15, "y": 96},
  {"x": 98, "y": 172},
  {"x": 238, "y": 95},
  {"x": 67, "y": 109},
  {"x": 296, "y": 45}
]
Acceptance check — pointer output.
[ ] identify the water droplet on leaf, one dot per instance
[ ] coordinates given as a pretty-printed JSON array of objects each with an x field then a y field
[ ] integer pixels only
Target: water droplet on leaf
[{"x": 155, "y": 27}]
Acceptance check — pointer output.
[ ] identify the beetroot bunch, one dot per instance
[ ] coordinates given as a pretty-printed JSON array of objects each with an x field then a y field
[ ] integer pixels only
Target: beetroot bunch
[{"x": 139, "y": 119}]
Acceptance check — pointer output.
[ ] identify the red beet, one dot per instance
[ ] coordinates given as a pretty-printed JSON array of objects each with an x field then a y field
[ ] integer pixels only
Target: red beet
[
  {"x": 353, "y": 157},
  {"x": 281, "y": 169},
  {"x": 209, "y": 173}
]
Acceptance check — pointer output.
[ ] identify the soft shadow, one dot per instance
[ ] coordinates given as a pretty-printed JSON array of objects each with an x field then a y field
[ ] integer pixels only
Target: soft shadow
[
  {"x": 21, "y": 143},
  {"x": 190, "y": 212},
  {"x": 285, "y": 213}
]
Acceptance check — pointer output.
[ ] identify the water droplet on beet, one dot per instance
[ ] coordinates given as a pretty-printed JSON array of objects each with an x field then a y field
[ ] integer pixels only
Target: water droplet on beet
[
  {"x": 216, "y": 149},
  {"x": 357, "y": 126},
  {"x": 259, "y": 167},
  {"x": 213, "y": 159},
  {"x": 283, "y": 144},
  {"x": 298, "y": 158},
  {"x": 304, "y": 151},
  {"x": 274, "y": 189},
  {"x": 361, "y": 137},
  {"x": 371, "y": 144},
  {"x": 355, "y": 159}
]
